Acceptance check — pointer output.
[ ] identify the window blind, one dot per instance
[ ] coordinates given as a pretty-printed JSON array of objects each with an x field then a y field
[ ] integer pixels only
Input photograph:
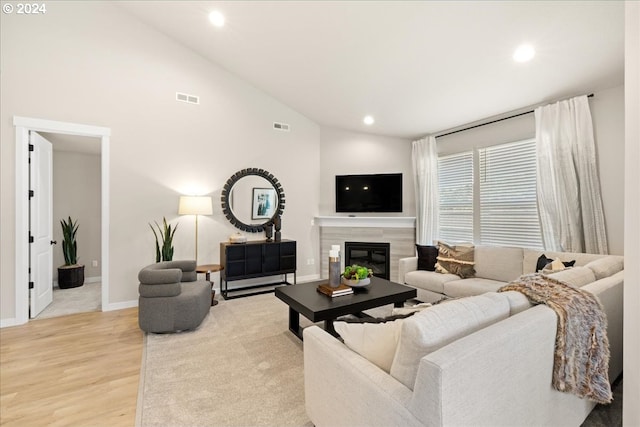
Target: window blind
[
  {"x": 508, "y": 207},
  {"x": 455, "y": 185}
]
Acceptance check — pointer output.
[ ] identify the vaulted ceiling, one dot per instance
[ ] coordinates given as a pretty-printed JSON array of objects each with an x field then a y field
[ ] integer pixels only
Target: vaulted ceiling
[{"x": 417, "y": 67}]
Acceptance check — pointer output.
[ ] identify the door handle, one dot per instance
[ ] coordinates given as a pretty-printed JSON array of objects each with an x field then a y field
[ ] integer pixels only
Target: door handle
[{"x": 53, "y": 242}]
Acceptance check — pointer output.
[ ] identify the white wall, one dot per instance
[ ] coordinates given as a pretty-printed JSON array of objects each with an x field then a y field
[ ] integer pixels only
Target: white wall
[
  {"x": 91, "y": 63},
  {"x": 607, "y": 111},
  {"x": 344, "y": 153},
  {"x": 631, "y": 387},
  {"x": 76, "y": 193}
]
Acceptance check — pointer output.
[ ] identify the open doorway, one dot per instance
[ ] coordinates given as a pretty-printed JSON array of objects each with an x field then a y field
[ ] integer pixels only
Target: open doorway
[
  {"x": 66, "y": 134},
  {"x": 76, "y": 193}
]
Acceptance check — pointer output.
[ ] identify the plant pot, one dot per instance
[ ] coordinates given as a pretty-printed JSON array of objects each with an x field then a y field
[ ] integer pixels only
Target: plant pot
[
  {"x": 356, "y": 283},
  {"x": 70, "y": 276}
]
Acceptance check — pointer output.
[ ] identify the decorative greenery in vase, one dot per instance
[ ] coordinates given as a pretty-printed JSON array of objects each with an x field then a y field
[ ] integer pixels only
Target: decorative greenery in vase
[
  {"x": 164, "y": 252},
  {"x": 356, "y": 272}
]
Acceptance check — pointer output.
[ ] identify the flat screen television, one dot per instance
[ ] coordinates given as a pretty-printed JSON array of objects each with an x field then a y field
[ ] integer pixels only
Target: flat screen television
[{"x": 369, "y": 193}]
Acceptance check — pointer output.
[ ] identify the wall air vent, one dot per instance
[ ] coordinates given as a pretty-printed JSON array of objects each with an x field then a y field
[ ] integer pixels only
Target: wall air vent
[
  {"x": 281, "y": 126},
  {"x": 191, "y": 99}
]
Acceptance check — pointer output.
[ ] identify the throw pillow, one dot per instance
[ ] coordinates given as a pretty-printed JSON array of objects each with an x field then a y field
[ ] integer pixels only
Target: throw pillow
[
  {"x": 427, "y": 257},
  {"x": 411, "y": 310},
  {"x": 543, "y": 261},
  {"x": 456, "y": 260},
  {"x": 394, "y": 316},
  {"x": 376, "y": 342},
  {"x": 553, "y": 266}
]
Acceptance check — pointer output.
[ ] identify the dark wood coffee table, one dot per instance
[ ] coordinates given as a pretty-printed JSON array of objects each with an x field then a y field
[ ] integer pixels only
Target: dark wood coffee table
[{"x": 304, "y": 299}]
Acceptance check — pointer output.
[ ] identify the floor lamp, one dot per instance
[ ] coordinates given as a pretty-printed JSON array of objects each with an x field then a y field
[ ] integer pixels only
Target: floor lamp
[{"x": 195, "y": 205}]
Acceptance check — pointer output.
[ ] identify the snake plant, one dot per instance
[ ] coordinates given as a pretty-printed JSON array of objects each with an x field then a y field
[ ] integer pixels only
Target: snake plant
[
  {"x": 69, "y": 244},
  {"x": 164, "y": 252}
]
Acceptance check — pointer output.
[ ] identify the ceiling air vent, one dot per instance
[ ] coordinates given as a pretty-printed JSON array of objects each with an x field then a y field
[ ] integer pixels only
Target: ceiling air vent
[
  {"x": 184, "y": 97},
  {"x": 281, "y": 126}
]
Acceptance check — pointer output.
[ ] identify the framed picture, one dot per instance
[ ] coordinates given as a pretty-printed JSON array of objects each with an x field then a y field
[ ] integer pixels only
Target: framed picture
[{"x": 264, "y": 203}]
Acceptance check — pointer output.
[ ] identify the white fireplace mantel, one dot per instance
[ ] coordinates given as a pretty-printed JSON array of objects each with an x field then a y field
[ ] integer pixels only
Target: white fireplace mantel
[{"x": 366, "y": 221}]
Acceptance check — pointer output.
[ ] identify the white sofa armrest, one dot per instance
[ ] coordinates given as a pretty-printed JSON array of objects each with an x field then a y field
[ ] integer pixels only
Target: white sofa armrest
[
  {"x": 498, "y": 376},
  {"x": 406, "y": 265},
  {"x": 343, "y": 388},
  {"x": 609, "y": 291}
]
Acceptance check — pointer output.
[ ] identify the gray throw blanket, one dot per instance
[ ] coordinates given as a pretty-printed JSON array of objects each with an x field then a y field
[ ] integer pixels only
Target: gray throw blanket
[{"x": 581, "y": 358}]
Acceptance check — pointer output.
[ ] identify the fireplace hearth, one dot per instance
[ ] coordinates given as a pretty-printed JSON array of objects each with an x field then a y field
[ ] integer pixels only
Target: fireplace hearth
[{"x": 373, "y": 255}]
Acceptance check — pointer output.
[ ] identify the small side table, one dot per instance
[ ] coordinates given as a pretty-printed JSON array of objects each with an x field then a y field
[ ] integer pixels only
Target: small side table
[{"x": 207, "y": 269}]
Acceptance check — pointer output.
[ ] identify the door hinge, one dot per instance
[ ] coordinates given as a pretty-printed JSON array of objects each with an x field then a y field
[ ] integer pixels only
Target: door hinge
[
  {"x": 30, "y": 238},
  {"x": 30, "y": 194},
  {"x": 30, "y": 285},
  {"x": 31, "y": 147}
]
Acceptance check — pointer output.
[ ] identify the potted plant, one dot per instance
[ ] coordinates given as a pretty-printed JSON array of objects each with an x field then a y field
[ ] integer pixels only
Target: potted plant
[
  {"x": 71, "y": 274},
  {"x": 356, "y": 275},
  {"x": 164, "y": 252}
]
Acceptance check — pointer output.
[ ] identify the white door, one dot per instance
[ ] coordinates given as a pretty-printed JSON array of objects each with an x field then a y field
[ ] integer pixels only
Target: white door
[{"x": 41, "y": 222}]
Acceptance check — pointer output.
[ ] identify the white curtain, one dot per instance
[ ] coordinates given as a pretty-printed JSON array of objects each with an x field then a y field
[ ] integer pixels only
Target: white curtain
[
  {"x": 569, "y": 199},
  {"x": 425, "y": 178}
]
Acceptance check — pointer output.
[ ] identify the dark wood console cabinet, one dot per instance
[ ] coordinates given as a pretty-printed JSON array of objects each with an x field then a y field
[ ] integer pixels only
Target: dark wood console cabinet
[{"x": 257, "y": 258}]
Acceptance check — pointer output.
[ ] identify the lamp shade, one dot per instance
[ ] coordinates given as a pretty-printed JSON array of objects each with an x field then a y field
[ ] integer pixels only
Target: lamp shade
[{"x": 195, "y": 205}]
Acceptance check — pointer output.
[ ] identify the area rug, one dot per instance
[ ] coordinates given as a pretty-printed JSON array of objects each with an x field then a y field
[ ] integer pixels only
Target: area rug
[
  {"x": 74, "y": 300},
  {"x": 241, "y": 367}
]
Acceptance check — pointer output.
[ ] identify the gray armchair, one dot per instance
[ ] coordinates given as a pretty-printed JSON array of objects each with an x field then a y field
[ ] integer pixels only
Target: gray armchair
[{"x": 171, "y": 297}]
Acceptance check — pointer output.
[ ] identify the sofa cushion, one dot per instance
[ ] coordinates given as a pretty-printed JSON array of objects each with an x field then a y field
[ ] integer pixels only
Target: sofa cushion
[
  {"x": 185, "y": 265},
  {"x": 455, "y": 259},
  {"x": 427, "y": 257},
  {"x": 375, "y": 342},
  {"x": 498, "y": 263},
  {"x": 471, "y": 286},
  {"x": 152, "y": 275},
  {"x": 575, "y": 276},
  {"x": 189, "y": 276},
  {"x": 408, "y": 310},
  {"x": 517, "y": 302},
  {"x": 159, "y": 290},
  {"x": 440, "y": 325},
  {"x": 607, "y": 266},
  {"x": 429, "y": 280}
]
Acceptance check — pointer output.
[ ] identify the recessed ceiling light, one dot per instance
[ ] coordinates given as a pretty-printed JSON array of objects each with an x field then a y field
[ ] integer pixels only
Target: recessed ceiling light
[
  {"x": 368, "y": 120},
  {"x": 216, "y": 18},
  {"x": 524, "y": 53}
]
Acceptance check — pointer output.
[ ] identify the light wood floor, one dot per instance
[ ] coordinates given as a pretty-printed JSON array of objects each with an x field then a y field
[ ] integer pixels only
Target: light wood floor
[{"x": 77, "y": 370}]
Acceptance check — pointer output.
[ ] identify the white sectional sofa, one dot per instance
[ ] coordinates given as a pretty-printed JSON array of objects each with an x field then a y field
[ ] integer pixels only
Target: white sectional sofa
[
  {"x": 496, "y": 266},
  {"x": 488, "y": 358}
]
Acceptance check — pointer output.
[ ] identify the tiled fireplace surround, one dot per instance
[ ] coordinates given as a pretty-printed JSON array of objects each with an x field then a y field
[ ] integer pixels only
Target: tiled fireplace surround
[{"x": 399, "y": 232}]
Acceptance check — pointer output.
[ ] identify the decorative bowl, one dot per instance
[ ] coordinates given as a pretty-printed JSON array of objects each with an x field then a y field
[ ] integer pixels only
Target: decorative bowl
[
  {"x": 237, "y": 238},
  {"x": 356, "y": 283}
]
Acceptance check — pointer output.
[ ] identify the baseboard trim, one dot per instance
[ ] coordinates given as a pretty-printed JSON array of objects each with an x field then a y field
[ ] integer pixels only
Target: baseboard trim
[
  {"x": 308, "y": 278},
  {"x": 120, "y": 305},
  {"x": 5, "y": 323}
]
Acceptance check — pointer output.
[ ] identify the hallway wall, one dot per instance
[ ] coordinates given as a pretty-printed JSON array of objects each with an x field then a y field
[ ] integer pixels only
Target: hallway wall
[{"x": 76, "y": 193}]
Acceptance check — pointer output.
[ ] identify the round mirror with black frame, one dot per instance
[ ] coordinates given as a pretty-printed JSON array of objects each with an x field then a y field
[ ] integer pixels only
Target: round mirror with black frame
[{"x": 251, "y": 199}]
